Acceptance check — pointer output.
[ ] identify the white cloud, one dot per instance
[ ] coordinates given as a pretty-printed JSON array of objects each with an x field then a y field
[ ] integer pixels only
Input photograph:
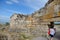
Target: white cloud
[
  {"x": 12, "y": 1},
  {"x": 16, "y": 1},
  {"x": 9, "y": 2},
  {"x": 35, "y": 4},
  {"x": 4, "y": 17},
  {"x": 13, "y": 11}
]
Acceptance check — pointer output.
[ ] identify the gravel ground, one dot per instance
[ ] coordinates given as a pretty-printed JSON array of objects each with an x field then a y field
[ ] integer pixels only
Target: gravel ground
[
  {"x": 57, "y": 37},
  {"x": 39, "y": 38},
  {"x": 42, "y": 38}
]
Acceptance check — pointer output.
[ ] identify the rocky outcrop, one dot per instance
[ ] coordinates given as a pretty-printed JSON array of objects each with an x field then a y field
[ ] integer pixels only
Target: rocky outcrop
[
  {"x": 37, "y": 22},
  {"x": 23, "y": 26},
  {"x": 28, "y": 24}
]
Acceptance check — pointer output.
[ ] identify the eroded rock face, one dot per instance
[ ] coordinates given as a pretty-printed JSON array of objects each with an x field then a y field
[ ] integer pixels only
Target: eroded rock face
[
  {"x": 27, "y": 24},
  {"x": 2, "y": 37},
  {"x": 20, "y": 22},
  {"x": 34, "y": 24}
]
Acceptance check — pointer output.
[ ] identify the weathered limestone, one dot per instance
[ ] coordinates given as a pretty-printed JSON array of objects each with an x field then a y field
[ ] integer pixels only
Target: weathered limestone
[
  {"x": 34, "y": 24},
  {"x": 37, "y": 19},
  {"x": 52, "y": 10}
]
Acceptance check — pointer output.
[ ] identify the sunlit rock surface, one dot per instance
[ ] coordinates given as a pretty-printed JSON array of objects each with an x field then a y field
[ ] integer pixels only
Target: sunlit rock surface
[{"x": 29, "y": 26}]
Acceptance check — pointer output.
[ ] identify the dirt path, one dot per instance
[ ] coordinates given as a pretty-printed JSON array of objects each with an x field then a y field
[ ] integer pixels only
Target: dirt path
[
  {"x": 42, "y": 38},
  {"x": 57, "y": 35},
  {"x": 39, "y": 38}
]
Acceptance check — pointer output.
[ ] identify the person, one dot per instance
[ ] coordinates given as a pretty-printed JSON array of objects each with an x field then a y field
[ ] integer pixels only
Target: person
[
  {"x": 48, "y": 29},
  {"x": 51, "y": 30}
]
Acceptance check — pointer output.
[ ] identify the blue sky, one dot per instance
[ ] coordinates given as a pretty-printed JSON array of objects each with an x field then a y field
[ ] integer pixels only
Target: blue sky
[{"x": 9, "y": 7}]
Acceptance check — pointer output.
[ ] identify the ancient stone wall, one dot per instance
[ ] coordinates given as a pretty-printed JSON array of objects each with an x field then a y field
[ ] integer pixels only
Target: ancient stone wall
[
  {"x": 23, "y": 26},
  {"x": 35, "y": 24}
]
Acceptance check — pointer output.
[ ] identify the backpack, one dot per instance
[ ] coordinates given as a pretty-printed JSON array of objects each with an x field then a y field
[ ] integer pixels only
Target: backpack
[{"x": 49, "y": 31}]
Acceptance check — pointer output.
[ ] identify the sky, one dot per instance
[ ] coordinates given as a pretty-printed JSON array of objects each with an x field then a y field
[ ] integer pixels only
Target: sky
[{"x": 9, "y": 7}]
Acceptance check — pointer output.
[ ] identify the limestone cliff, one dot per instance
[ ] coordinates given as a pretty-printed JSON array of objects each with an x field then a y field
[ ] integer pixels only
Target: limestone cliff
[
  {"x": 34, "y": 24},
  {"x": 38, "y": 18}
]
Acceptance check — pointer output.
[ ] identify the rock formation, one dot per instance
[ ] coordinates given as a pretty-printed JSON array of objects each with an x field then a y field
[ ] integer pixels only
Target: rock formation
[{"x": 34, "y": 24}]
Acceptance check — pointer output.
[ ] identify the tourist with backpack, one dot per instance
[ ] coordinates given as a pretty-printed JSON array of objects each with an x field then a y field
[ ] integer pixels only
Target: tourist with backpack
[{"x": 51, "y": 30}]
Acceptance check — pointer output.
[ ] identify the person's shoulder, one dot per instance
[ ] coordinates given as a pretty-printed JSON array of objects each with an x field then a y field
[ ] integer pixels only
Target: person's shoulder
[
  {"x": 54, "y": 28},
  {"x": 51, "y": 29}
]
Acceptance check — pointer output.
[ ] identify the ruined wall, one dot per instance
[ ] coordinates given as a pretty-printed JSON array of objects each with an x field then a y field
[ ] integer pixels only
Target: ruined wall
[
  {"x": 36, "y": 24},
  {"x": 52, "y": 10},
  {"x": 27, "y": 24}
]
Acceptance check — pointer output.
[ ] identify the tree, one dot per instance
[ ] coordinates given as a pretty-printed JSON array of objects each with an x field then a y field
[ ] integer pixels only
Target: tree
[{"x": 7, "y": 23}]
